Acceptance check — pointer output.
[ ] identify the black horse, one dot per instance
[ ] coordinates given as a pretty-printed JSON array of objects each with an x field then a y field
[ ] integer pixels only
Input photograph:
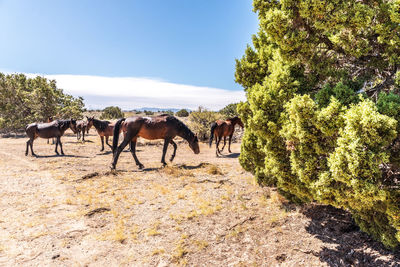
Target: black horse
[
  {"x": 160, "y": 127},
  {"x": 54, "y": 129}
]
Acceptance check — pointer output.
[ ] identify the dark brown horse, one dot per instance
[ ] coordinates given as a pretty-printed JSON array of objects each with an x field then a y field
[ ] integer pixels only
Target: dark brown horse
[
  {"x": 221, "y": 129},
  {"x": 82, "y": 127},
  {"x": 54, "y": 129},
  {"x": 160, "y": 127},
  {"x": 104, "y": 129}
]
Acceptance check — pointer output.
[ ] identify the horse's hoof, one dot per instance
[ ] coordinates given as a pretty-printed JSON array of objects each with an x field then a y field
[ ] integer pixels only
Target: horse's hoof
[
  {"x": 141, "y": 167},
  {"x": 112, "y": 166}
]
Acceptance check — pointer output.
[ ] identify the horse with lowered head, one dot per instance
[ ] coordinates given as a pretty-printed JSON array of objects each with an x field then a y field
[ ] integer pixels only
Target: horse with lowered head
[
  {"x": 54, "y": 129},
  {"x": 160, "y": 127}
]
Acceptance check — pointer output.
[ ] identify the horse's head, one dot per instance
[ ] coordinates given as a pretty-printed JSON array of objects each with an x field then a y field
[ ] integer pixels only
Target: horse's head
[
  {"x": 194, "y": 144},
  {"x": 72, "y": 126},
  {"x": 89, "y": 122},
  {"x": 236, "y": 120},
  {"x": 239, "y": 121}
]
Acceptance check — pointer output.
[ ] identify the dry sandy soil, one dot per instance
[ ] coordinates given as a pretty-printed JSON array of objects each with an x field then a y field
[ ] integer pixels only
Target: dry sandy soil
[{"x": 199, "y": 211}]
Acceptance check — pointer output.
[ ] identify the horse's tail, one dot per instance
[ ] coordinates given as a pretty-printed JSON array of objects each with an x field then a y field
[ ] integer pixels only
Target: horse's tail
[
  {"x": 213, "y": 126},
  {"x": 116, "y": 134}
]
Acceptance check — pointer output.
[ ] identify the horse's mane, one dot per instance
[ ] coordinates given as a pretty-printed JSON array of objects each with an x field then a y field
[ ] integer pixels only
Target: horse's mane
[
  {"x": 63, "y": 123},
  {"x": 101, "y": 125},
  {"x": 181, "y": 127},
  {"x": 232, "y": 119}
]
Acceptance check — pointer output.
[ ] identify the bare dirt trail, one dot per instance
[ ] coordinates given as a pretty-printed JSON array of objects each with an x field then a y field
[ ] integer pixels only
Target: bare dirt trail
[{"x": 200, "y": 210}]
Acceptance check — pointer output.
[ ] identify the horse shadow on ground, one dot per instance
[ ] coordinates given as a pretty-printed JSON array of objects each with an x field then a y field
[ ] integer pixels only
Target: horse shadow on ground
[
  {"x": 231, "y": 155},
  {"x": 110, "y": 152},
  {"x": 60, "y": 156},
  {"x": 353, "y": 247},
  {"x": 189, "y": 167},
  {"x": 78, "y": 142}
]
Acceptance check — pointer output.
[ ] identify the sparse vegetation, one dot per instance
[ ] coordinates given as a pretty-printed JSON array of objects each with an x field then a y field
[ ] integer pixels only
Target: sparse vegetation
[
  {"x": 200, "y": 122},
  {"x": 111, "y": 112},
  {"x": 182, "y": 113}
]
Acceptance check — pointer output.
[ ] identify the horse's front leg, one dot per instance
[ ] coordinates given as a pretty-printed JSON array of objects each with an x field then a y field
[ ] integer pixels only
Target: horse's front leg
[
  {"x": 174, "y": 153},
  {"x": 132, "y": 147},
  {"x": 59, "y": 141},
  {"x": 166, "y": 143},
  {"x": 83, "y": 135}
]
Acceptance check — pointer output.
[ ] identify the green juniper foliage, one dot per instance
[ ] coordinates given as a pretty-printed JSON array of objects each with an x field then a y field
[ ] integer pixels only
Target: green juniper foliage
[
  {"x": 322, "y": 82},
  {"x": 25, "y": 100}
]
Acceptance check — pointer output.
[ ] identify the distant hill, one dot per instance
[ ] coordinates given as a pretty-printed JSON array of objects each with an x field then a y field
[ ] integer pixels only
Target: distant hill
[{"x": 159, "y": 109}]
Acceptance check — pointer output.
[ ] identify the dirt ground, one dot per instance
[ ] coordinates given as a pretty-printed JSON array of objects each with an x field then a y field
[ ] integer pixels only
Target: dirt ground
[{"x": 199, "y": 211}]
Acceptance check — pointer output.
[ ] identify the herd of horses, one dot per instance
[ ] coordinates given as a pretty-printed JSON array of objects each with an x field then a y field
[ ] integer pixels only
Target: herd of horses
[{"x": 164, "y": 127}]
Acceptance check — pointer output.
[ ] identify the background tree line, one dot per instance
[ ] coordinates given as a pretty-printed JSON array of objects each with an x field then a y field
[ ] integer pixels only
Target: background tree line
[
  {"x": 25, "y": 100},
  {"x": 323, "y": 105}
]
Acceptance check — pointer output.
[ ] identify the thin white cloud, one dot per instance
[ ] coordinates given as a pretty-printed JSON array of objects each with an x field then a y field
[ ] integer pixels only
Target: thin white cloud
[{"x": 131, "y": 92}]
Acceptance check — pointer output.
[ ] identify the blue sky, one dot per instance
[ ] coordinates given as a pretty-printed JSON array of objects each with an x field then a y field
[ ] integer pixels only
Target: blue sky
[{"x": 192, "y": 43}]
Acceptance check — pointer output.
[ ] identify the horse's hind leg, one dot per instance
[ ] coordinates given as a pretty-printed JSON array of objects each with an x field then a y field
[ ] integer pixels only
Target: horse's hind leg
[
  {"x": 117, "y": 152},
  {"x": 174, "y": 153},
  {"x": 107, "y": 142},
  {"x": 31, "y": 145},
  {"x": 166, "y": 143},
  {"x": 217, "y": 152},
  {"x": 229, "y": 144},
  {"x": 132, "y": 146},
  {"x": 102, "y": 143},
  {"x": 222, "y": 149},
  {"x": 27, "y": 147}
]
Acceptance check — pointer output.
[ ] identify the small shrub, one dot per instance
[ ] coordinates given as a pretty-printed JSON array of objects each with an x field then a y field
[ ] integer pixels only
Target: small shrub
[
  {"x": 148, "y": 112},
  {"x": 200, "y": 122},
  {"x": 182, "y": 113},
  {"x": 111, "y": 112}
]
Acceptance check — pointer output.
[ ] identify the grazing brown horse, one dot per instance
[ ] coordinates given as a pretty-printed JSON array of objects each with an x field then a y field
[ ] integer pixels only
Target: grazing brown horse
[
  {"x": 82, "y": 127},
  {"x": 104, "y": 129},
  {"x": 160, "y": 127},
  {"x": 223, "y": 129},
  {"x": 54, "y": 129}
]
